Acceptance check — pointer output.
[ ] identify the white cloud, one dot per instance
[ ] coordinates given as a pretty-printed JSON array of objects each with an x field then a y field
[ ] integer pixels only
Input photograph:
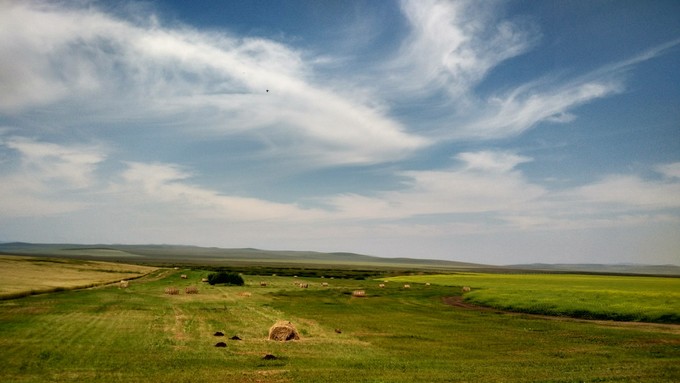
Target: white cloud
[
  {"x": 47, "y": 178},
  {"x": 94, "y": 64},
  {"x": 527, "y": 105},
  {"x": 632, "y": 192},
  {"x": 487, "y": 183},
  {"x": 151, "y": 185},
  {"x": 670, "y": 170},
  {"x": 72, "y": 167},
  {"x": 453, "y": 45}
]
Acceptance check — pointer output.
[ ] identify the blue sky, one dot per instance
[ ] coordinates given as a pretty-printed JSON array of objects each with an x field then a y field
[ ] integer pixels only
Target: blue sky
[{"x": 496, "y": 132}]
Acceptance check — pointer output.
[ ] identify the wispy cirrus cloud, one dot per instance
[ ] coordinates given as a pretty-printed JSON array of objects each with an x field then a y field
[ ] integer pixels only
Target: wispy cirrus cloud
[
  {"x": 453, "y": 45},
  {"x": 181, "y": 78}
]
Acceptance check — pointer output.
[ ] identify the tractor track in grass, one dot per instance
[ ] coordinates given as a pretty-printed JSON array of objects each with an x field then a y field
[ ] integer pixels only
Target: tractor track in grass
[{"x": 458, "y": 302}]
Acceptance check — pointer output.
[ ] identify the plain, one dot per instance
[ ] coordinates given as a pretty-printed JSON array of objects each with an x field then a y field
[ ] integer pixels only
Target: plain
[{"x": 393, "y": 334}]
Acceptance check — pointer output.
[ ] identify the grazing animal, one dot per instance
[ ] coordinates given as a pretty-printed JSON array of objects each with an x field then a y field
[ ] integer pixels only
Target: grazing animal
[
  {"x": 220, "y": 344},
  {"x": 219, "y": 333},
  {"x": 466, "y": 289},
  {"x": 184, "y": 276},
  {"x": 324, "y": 284},
  {"x": 304, "y": 285},
  {"x": 382, "y": 285},
  {"x": 263, "y": 284},
  {"x": 337, "y": 330}
]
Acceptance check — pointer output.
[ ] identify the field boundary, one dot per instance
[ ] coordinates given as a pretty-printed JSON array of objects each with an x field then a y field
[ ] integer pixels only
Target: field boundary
[{"x": 58, "y": 289}]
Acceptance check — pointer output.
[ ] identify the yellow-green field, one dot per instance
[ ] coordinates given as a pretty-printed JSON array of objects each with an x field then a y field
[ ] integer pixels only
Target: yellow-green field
[
  {"x": 625, "y": 298},
  {"x": 20, "y": 276}
]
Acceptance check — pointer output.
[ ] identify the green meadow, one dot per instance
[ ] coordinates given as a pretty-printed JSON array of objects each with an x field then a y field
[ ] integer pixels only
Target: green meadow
[
  {"x": 140, "y": 334},
  {"x": 610, "y": 297}
]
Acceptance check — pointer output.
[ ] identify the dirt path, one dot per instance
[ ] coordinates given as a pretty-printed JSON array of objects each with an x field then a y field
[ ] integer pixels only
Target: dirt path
[{"x": 457, "y": 301}]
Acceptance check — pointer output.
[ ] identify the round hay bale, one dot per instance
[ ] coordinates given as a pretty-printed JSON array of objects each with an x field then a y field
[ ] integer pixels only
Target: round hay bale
[{"x": 283, "y": 331}]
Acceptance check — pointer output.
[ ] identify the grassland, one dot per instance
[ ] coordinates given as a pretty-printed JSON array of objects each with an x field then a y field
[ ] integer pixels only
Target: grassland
[
  {"x": 109, "y": 334},
  {"x": 623, "y": 298},
  {"x": 21, "y": 276}
]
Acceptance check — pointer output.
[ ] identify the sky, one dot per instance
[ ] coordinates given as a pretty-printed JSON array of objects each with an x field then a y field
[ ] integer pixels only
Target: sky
[{"x": 496, "y": 132}]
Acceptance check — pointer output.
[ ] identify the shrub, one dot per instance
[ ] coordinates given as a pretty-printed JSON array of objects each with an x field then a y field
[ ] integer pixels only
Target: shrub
[{"x": 225, "y": 278}]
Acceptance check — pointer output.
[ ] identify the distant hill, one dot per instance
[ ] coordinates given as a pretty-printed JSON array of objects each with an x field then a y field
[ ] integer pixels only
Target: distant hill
[
  {"x": 180, "y": 254},
  {"x": 169, "y": 254}
]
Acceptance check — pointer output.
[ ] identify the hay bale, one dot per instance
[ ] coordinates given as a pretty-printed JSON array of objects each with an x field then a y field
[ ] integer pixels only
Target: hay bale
[
  {"x": 283, "y": 331},
  {"x": 204, "y": 280},
  {"x": 124, "y": 284},
  {"x": 407, "y": 286},
  {"x": 184, "y": 276},
  {"x": 359, "y": 293},
  {"x": 466, "y": 289},
  {"x": 191, "y": 290},
  {"x": 382, "y": 285},
  {"x": 172, "y": 290},
  {"x": 325, "y": 284}
]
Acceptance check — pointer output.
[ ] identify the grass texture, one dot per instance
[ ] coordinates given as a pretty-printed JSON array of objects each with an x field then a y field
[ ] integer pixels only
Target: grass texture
[
  {"x": 393, "y": 334},
  {"x": 622, "y": 298}
]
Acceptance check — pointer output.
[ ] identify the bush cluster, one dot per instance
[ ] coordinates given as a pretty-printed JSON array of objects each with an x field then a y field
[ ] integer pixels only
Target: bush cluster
[{"x": 225, "y": 278}]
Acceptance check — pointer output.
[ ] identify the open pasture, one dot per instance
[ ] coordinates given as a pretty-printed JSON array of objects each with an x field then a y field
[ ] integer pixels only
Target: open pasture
[
  {"x": 21, "y": 276},
  {"x": 624, "y": 298},
  {"x": 392, "y": 334}
]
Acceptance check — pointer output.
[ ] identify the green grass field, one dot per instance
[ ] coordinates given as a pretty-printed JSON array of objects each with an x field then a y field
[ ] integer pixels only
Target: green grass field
[
  {"x": 625, "y": 298},
  {"x": 140, "y": 334}
]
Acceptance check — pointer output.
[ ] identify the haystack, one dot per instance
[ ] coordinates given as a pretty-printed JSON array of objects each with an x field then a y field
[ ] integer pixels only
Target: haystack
[{"x": 283, "y": 331}]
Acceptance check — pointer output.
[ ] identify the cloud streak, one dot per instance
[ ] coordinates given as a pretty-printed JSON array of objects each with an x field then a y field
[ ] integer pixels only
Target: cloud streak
[{"x": 229, "y": 86}]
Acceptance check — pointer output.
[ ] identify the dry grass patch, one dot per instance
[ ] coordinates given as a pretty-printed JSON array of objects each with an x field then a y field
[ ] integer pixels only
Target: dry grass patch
[{"x": 21, "y": 276}]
